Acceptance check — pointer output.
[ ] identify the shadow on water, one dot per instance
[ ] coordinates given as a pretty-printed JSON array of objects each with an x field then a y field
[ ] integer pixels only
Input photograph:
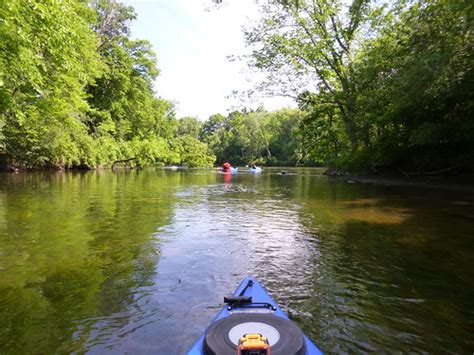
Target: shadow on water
[
  {"x": 394, "y": 269},
  {"x": 75, "y": 248}
]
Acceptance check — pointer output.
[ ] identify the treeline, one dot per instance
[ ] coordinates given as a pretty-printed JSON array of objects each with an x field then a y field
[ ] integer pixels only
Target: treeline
[
  {"x": 261, "y": 137},
  {"x": 77, "y": 91},
  {"x": 251, "y": 136},
  {"x": 382, "y": 84}
]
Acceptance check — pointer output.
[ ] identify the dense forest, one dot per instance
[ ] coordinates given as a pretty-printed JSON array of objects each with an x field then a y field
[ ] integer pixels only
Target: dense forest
[
  {"x": 392, "y": 81},
  {"x": 380, "y": 86},
  {"x": 77, "y": 91}
]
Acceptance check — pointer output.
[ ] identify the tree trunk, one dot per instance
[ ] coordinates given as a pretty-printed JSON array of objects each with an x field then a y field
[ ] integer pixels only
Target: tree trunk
[
  {"x": 350, "y": 125},
  {"x": 122, "y": 161}
]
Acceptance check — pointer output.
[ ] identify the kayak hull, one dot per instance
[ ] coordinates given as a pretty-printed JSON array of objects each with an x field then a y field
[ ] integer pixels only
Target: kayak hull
[
  {"x": 230, "y": 171},
  {"x": 255, "y": 170},
  {"x": 258, "y": 294}
]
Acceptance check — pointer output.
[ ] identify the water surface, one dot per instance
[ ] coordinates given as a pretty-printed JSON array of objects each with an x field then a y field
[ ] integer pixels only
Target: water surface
[{"x": 137, "y": 262}]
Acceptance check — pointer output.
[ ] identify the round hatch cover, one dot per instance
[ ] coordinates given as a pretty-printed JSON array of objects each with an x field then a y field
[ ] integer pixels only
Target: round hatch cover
[{"x": 283, "y": 335}]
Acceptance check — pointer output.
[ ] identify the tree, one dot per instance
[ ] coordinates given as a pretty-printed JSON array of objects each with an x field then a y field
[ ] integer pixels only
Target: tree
[
  {"x": 416, "y": 79},
  {"x": 316, "y": 41},
  {"x": 123, "y": 104},
  {"x": 257, "y": 136},
  {"x": 189, "y": 126},
  {"x": 76, "y": 90},
  {"x": 47, "y": 56},
  {"x": 215, "y": 133},
  {"x": 192, "y": 152},
  {"x": 383, "y": 85}
]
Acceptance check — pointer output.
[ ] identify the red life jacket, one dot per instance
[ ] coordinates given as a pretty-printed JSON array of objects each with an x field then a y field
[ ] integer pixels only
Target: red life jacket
[{"x": 226, "y": 166}]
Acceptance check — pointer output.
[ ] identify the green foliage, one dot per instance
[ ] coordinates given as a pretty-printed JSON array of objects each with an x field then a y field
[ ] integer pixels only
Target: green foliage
[
  {"x": 391, "y": 84},
  {"x": 76, "y": 91},
  {"x": 323, "y": 134},
  {"x": 270, "y": 138},
  {"x": 189, "y": 126},
  {"x": 191, "y": 152},
  {"x": 378, "y": 84},
  {"x": 313, "y": 41},
  {"x": 418, "y": 95},
  {"x": 146, "y": 151},
  {"x": 47, "y": 56}
]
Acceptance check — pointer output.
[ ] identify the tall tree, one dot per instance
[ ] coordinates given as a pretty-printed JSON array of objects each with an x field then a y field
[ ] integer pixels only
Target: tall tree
[
  {"x": 316, "y": 41},
  {"x": 47, "y": 56},
  {"x": 189, "y": 126},
  {"x": 123, "y": 103},
  {"x": 416, "y": 83}
]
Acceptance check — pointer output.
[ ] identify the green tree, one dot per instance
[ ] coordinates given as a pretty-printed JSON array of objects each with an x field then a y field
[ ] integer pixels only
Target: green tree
[
  {"x": 189, "y": 126},
  {"x": 123, "y": 104},
  {"x": 417, "y": 92},
  {"x": 192, "y": 153},
  {"x": 76, "y": 90},
  {"x": 47, "y": 56},
  {"x": 215, "y": 132},
  {"x": 383, "y": 85},
  {"x": 257, "y": 136},
  {"x": 313, "y": 40}
]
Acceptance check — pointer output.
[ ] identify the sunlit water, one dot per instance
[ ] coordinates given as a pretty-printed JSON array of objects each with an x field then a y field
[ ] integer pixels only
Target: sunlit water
[{"x": 138, "y": 262}]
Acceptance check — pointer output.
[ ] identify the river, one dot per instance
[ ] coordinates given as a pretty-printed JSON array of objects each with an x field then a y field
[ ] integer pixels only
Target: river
[{"x": 138, "y": 261}]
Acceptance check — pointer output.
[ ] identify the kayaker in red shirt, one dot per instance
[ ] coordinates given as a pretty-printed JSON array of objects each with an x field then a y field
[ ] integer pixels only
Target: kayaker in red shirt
[{"x": 226, "y": 166}]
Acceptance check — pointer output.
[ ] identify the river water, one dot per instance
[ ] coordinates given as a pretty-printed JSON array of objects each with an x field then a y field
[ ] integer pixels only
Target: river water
[{"x": 137, "y": 262}]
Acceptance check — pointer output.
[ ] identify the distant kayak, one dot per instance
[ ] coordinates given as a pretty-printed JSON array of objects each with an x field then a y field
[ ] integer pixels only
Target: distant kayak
[
  {"x": 258, "y": 169},
  {"x": 252, "y": 323},
  {"x": 230, "y": 171}
]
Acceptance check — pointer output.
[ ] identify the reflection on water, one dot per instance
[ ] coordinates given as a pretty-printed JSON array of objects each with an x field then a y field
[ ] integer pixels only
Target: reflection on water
[
  {"x": 138, "y": 262},
  {"x": 373, "y": 211}
]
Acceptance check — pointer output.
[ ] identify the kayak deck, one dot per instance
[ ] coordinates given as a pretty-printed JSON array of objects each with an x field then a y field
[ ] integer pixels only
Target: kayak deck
[{"x": 250, "y": 287}]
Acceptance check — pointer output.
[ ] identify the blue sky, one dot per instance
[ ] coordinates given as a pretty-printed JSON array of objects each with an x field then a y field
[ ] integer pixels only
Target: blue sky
[{"x": 192, "y": 40}]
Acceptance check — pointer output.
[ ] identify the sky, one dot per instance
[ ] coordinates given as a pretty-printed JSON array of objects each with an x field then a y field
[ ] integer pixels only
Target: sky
[{"x": 192, "y": 40}]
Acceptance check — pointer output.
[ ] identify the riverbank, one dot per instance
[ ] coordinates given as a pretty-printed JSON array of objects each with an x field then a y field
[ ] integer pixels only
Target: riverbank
[{"x": 454, "y": 183}]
